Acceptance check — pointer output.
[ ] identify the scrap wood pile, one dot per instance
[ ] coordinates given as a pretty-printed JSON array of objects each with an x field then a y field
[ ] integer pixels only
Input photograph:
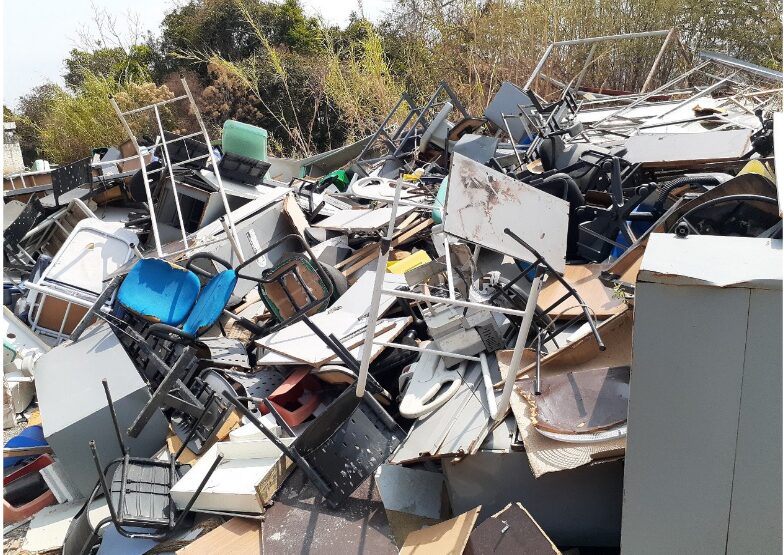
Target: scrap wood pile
[{"x": 436, "y": 320}]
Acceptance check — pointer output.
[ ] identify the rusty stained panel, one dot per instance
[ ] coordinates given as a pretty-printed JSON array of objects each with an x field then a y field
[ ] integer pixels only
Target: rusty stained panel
[{"x": 482, "y": 202}]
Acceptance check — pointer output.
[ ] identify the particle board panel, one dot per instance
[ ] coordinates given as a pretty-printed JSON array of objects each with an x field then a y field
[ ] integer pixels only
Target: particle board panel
[
  {"x": 482, "y": 202},
  {"x": 674, "y": 150},
  {"x": 511, "y": 531}
]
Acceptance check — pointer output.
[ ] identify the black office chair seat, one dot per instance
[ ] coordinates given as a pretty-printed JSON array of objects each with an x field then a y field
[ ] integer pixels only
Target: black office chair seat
[{"x": 146, "y": 494}]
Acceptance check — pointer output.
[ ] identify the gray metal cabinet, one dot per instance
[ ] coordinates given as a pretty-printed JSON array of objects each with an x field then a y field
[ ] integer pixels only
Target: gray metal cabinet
[{"x": 703, "y": 455}]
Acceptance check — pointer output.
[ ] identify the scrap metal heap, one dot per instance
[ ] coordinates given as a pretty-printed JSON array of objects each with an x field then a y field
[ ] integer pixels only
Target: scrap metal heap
[{"x": 199, "y": 338}]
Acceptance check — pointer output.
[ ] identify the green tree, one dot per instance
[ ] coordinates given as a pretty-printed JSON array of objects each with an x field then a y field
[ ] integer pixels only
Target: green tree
[
  {"x": 31, "y": 114},
  {"x": 115, "y": 63}
]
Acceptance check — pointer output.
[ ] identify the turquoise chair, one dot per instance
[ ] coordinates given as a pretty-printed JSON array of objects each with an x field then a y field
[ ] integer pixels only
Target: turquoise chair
[{"x": 208, "y": 305}]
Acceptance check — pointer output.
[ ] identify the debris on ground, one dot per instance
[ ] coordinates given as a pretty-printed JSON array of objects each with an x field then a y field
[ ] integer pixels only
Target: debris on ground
[{"x": 551, "y": 327}]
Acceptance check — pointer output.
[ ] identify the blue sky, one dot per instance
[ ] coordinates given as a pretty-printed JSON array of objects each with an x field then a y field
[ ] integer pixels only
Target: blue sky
[{"x": 38, "y": 34}]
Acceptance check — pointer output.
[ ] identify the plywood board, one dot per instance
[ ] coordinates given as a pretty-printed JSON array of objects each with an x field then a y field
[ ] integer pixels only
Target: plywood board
[
  {"x": 448, "y": 537},
  {"x": 238, "y": 536},
  {"x": 482, "y": 202}
]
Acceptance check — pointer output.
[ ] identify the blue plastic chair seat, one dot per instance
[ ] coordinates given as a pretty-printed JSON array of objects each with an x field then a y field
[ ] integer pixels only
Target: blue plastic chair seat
[
  {"x": 32, "y": 436},
  {"x": 211, "y": 302},
  {"x": 159, "y": 292}
]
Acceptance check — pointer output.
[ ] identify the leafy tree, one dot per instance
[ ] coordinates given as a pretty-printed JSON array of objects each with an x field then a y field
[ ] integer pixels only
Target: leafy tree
[
  {"x": 114, "y": 63},
  {"x": 78, "y": 122},
  {"x": 30, "y": 116}
]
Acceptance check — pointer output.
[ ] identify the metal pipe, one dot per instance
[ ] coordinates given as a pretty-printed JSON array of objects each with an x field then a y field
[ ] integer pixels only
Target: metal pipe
[
  {"x": 450, "y": 281},
  {"x": 105, "y": 384},
  {"x": 161, "y": 103},
  {"x": 700, "y": 94},
  {"x": 235, "y": 246},
  {"x": 519, "y": 348},
  {"x": 214, "y": 163},
  {"x": 672, "y": 34},
  {"x": 488, "y": 381},
  {"x": 145, "y": 177},
  {"x": 580, "y": 75},
  {"x": 538, "y": 381},
  {"x": 171, "y": 176},
  {"x": 539, "y": 66},
  {"x": 589, "y": 40},
  {"x": 457, "y": 302},
  {"x": 654, "y": 92},
  {"x": 404, "y": 347},
  {"x": 378, "y": 287}
]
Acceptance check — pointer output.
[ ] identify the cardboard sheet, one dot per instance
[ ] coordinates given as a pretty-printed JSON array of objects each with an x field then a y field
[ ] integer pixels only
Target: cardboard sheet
[
  {"x": 584, "y": 278},
  {"x": 238, "y": 536},
  {"x": 448, "y": 537}
]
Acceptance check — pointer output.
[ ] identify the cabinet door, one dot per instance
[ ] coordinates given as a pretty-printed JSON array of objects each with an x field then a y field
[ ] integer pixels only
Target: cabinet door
[
  {"x": 687, "y": 365},
  {"x": 755, "y": 514}
]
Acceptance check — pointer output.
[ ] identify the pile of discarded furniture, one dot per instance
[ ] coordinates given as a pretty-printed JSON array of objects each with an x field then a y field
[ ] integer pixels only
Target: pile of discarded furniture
[{"x": 548, "y": 327}]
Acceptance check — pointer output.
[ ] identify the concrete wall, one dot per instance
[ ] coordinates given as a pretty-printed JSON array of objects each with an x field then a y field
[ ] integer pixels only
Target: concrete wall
[{"x": 12, "y": 153}]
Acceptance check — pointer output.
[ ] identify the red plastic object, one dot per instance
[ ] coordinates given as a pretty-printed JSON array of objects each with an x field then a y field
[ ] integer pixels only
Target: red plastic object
[
  {"x": 13, "y": 513},
  {"x": 288, "y": 394}
]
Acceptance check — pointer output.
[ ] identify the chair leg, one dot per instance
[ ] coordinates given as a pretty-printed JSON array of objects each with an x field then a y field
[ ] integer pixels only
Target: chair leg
[
  {"x": 102, "y": 482},
  {"x": 195, "y": 496},
  {"x": 95, "y": 310}
]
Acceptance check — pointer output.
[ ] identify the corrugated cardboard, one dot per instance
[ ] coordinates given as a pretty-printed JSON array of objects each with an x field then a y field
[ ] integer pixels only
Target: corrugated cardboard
[{"x": 448, "y": 537}]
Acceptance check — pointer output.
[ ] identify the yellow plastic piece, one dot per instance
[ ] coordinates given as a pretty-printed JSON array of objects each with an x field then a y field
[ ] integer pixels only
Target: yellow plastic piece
[
  {"x": 409, "y": 263},
  {"x": 755, "y": 166}
]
